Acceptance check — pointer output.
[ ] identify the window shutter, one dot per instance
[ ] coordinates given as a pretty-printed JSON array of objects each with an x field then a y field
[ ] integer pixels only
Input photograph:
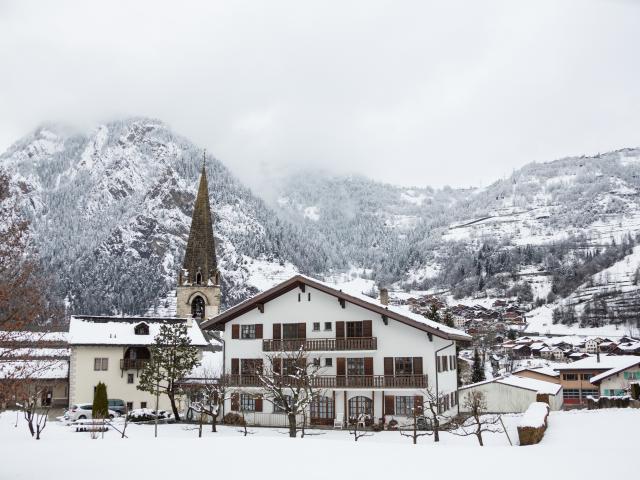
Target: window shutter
[
  {"x": 417, "y": 365},
  {"x": 235, "y": 331},
  {"x": 417, "y": 402},
  {"x": 258, "y": 404},
  {"x": 277, "y": 365},
  {"x": 367, "y": 329},
  {"x": 302, "y": 330},
  {"x": 340, "y": 367},
  {"x": 389, "y": 405},
  {"x": 277, "y": 329},
  {"x": 339, "y": 329},
  {"x": 388, "y": 366},
  {"x": 258, "y": 330},
  {"x": 235, "y": 401},
  {"x": 368, "y": 366},
  {"x": 235, "y": 366},
  {"x": 445, "y": 364}
]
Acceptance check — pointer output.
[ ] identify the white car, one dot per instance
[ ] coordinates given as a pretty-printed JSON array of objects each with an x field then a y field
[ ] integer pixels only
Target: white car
[{"x": 83, "y": 411}]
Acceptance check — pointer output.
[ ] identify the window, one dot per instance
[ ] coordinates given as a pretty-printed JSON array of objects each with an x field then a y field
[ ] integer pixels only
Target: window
[
  {"x": 100, "y": 364},
  {"x": 570, "y": 393},
  {"x": 359, "y": 406},
  {"x": 586, "y": 376},
  {"x": 198, "y": 307},
  {"x": 316, "y": 362},
  {"x": 590, "y": 393},
  {"x": 279, "y": 407},
  {"x": 355, "y": 367},
  {"x": 129, "y": 406},
  {"x": 404, "y": 365},
  {"x": 247, "y": 403},
  {"x": 328, "y": 362},
  {"x": 289, "y": 366},
  {"x": 404, "y": 406},
  {"x": 249, "y": 366},
  {"x": 322, "y": 408},
  {"x": 289, "y": 331},
  {"x": 328, "y": 326},
  {"x": 129, "y": 377},
  {"x": 570, "y": 376},
  {"x": 316, "y": 326},
  {"x": 247, "y": 332},
  {"x": 141, "y": 329},
  {"x": 354, "y": 329},
  {"x": 143, "y": 404}
]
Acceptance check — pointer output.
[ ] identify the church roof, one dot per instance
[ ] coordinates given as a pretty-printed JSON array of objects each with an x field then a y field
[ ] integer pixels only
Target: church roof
[{"x": 201, "y": 250}]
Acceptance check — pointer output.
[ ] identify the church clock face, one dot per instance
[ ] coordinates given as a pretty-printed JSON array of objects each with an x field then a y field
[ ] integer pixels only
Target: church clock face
[{"x": 197, "y": 307}]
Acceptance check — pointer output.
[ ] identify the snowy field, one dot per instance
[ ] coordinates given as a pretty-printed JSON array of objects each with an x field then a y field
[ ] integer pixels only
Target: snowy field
[{"x": 602, "y": 441}]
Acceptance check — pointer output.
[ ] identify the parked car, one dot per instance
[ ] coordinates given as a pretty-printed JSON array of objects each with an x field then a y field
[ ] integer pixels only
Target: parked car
[
  {"x": 117, "y": 405},
  {"x": 83, "y": 411}
]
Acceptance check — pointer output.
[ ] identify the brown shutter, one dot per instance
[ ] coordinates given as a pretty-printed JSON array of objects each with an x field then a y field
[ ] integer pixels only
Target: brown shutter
[
  {"x": 277, "y": 365},
  {"x": 367, "y": 329},
  {"x": 235, "y": 331},
  {"x": 340, "y": 367},
  {"x": 417, "y": 365},
  {"x": 235, "y": 366},
  {"x": 302, "y": 330},
  {"x": 368, "y": 366},
  {"x": 388, "y": 366},
  {"x": 235, "y": 401},
  {"x": 259, "y": 330},
  {"x": 258, "y": 404},
  {"x": 339, "y": 329},
  {"x": 258, "y": 366},
  {"x": 417, "y": 402},
  {"x": 277, "y": 329},
  {"x": 445, "y": 363},
  {"x": 389, "y": 405}
]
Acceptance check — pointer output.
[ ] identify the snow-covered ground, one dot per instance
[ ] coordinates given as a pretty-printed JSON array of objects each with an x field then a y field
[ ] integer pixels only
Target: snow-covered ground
[{"x": 605, "y": 437}]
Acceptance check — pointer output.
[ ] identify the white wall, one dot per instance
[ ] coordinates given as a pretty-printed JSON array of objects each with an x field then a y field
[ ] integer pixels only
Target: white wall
[
  {"x": 394, "y": 340},
  {"x": 503, "y": 398}
]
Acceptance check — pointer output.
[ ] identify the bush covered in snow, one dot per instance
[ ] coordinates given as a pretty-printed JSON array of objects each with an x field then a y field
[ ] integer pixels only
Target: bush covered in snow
[{"x": 140, "y": 415}]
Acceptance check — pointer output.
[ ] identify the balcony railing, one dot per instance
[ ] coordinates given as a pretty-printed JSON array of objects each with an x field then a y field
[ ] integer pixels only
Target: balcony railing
[
  {"x": 132, "y": 363},
  {"x": 333, "y": 381},
  {"x": 320, "y": 344}
]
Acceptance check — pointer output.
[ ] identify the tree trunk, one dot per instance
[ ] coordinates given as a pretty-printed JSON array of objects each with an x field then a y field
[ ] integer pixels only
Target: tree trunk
[
  {"x": 214, "y": 421},
  {"x": 479, "y": 435},
  {"x": 292, "y": 425},
  {"x": 436, "y": 430},
  {"x": 174, "y": 407}
]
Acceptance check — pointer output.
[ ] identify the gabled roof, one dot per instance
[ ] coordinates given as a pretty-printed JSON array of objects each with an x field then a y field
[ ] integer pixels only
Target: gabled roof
[
  {"x": 627, "y": 362},
  {"x": 298, "y": 281},
  {"x": 526, "y": 383},
  {"x": 103, "y": 330},
  {"x": 606, "y": 362}
]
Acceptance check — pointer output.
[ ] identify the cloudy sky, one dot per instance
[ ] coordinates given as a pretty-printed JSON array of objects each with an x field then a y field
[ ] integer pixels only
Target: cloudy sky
[{"x": 425, "y": 92}]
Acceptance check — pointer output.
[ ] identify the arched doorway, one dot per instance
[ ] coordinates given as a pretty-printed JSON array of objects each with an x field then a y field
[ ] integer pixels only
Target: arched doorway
[
  {"x": 359, "y": 406},
  {"x": 197, "y": 307},
  {"x": 322, "y": 411}
]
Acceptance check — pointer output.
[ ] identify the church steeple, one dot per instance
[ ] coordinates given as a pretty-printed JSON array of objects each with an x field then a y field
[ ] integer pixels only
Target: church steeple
[
  {"x": 200, "y": 264},
  {"x": 198, "y": 282}
]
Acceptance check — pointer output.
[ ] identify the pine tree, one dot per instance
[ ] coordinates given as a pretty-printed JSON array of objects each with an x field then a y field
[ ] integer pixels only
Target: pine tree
[
  {"x": 447, "y": 319},
  {"x": 477, "y": 371},
  {"x": 172, "y": 357},
  {"x": 100, "y": 401},
  {"x": 433, "y": 313}
]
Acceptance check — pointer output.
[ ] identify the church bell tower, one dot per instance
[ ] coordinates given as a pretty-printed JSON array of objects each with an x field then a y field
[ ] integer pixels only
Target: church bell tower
[{"x": 198, "y": 291}]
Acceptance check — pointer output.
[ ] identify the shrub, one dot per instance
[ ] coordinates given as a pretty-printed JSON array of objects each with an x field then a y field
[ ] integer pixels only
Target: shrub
[
  {"x": 100, "y": 401},
  {"x": 635, "y": 391},
  {"x": 233, "y": 419},
  {"x": 141, "y": 415}
]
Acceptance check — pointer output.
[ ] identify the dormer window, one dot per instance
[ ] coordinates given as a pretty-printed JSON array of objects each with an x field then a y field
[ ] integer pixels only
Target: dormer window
[
  {"x": 141, "y": 329},
  {"x": 198, "y": 278}
]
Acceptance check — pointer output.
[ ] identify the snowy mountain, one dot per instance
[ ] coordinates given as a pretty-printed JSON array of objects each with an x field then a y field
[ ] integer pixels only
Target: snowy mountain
[{"x": 111, "y": 211}]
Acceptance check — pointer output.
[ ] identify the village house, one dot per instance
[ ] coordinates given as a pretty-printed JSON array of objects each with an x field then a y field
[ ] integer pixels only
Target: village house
[
  {"x": 546, "y": 374},
  {"x": 375, "y": 360},
  {"x": 616, "y": 382},
  {"x": 575, "y": 377}
]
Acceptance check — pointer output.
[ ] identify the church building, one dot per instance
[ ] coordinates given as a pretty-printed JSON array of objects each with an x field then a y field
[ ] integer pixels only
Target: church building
[{"x": 115, "y": 349}]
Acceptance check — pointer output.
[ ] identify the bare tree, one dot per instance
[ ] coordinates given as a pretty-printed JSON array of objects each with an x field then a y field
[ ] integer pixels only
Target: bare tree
[
  {"x": 415, "y": 432},
  {"x": 356, "y": 432},
  {"x": 35, "y": 415},
  {"x": 477, "y": 421},
  {"x": 288, "y": 381}
]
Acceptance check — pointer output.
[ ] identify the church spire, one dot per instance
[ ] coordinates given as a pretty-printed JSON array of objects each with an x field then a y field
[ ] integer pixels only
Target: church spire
[{"x": 200, "y": 258}]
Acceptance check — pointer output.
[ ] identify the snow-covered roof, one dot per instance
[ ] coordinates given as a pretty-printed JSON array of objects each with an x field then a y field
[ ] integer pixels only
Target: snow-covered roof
[
  {"x": 120, "y": 330},
  {"x": 550, "y": 372},
  {"x": 539, "y": 386},
  {"x": 633, "y": 361},
  {"x": 33, "y": 352},
  {"x": 397, "y": 313},
  {"x": 34, "y": 369},
  {"x": 606, "y": 362},
  {"x": 210, "y": 366}
]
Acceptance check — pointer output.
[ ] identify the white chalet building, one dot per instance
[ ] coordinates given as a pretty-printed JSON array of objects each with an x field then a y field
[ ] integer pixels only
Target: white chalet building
[{"x": 375, "y": 360}]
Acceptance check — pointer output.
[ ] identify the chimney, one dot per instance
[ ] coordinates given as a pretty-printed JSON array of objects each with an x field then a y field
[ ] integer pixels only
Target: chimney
[{"x": 384, "y": 296}]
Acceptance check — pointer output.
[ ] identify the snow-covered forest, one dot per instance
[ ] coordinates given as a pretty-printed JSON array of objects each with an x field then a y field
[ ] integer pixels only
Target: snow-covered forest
[{"x": 110, "y": 212}]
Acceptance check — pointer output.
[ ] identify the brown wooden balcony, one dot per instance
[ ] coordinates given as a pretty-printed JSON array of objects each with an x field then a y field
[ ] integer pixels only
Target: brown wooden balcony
[
  {"x": 320, "y": 344},
  {"x": 346, "y": 382},
  {"x": 132, "y": 363}
]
